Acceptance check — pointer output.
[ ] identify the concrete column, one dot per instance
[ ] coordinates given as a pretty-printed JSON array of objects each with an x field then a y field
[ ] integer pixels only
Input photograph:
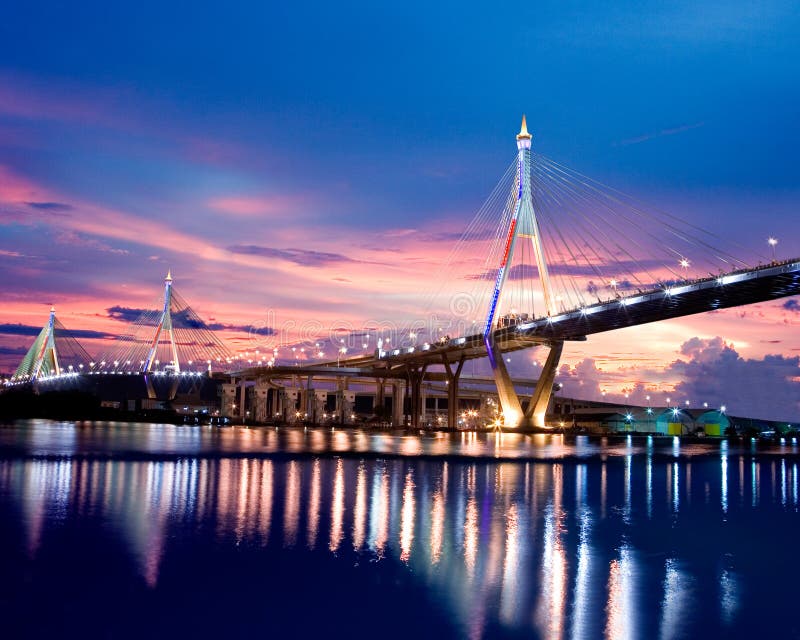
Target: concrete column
[
  {"x": 227, "y": 393},
  {"x": 397, "y": 403},
  {"x": 453, "y": 376},
  {"x": 535, "y": 414},
  {"x": 260, "y": 405},
  {"x": 509, "y": 400},
  {"x": 380, "y": 396},
  {"x": 423, "y": 409},
  {"x": 277, "y": 403},
  {"x": 309, "y": 407},
  {"x": 319, "y": 399},
  {"x": 288, "y": 403},
  {"x": 415, "y": 377},
  {"x": 242, "y": 398},
  {"x": 415, "y": 393},
  {"x": 345, "y": 402}
]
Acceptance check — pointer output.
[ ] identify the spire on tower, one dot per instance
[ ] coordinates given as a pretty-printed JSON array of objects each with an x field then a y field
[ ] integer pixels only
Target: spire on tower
[
  {"x": 523, "y": 130},
  {"x": 169, "y": 276}
]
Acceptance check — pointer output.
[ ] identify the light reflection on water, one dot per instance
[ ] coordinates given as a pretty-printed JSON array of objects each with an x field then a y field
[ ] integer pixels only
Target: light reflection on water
[
  {"x": 48, "y": 438},
  {"x": 602, "y": 546}
]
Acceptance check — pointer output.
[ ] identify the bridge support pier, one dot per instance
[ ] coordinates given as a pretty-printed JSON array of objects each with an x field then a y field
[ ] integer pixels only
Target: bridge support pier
[
  {"x": 260, "y": 400},
  {"x": 415, "y": 377},
  {"x": 242, "y": 399},
  {"x": 345, "y": 401},
  {"x": 397, "y": 404},
  {"x": 227, "y": 402},
  {"x": 534, "y": 415},
  {"x": 452, "y": 389},
  {"x": 380, "y": 395},
  {"x": 288, "y": 401},
  {"x": 509, "y": 400},
  {"x": 310, "y": 397},
  {"x": 345, "y": 404}
]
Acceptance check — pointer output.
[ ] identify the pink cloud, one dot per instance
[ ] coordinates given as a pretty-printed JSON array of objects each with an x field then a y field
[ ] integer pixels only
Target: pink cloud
[
  {"x": 117, "y": 108},
  {"x": 17, "y": 190},
  {"x": 22, "y": 97},
  {"x": 259, "y": 205}
]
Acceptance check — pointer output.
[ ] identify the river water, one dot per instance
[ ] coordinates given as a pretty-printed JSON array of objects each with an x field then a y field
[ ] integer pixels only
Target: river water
[{"x": 132, "y": 530}]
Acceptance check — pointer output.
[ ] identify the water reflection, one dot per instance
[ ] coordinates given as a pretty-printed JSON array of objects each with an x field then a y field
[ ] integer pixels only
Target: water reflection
[
  {"x": 47, "y": 438},
  {"x": 677, "y": 601},
  {"x": 379, "y": 510},
  {"x": 337, "y": 507},
  {"x": 621, "y": 607},
  {"x": 550, "y": 549}
]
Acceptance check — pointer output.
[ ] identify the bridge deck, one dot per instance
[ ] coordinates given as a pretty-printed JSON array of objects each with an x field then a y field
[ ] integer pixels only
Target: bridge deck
[{"x": 769, "y": 282}]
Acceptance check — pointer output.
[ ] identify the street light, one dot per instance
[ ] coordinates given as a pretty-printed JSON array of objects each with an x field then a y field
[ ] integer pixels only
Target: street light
[{"x": 772, "y": 242}]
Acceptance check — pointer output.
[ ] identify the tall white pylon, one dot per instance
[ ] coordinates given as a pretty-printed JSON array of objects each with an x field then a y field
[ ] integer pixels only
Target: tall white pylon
[
  {"x": 164, "y": 327},
  {"x": 54, "y": 352},
  {"x": 42, "y": 357},
  {"x": 523, "y": 224}
]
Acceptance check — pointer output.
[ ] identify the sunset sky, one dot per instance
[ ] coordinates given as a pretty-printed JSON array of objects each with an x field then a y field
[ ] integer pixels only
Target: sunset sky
[{"x": 313, "y": 164}]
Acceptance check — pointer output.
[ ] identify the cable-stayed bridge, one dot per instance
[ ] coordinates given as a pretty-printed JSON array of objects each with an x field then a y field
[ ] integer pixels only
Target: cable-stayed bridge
[
  {"x": 169, "y": 347},
  {"x": 552, "y": 256},
  {"x": 555, "y": 256}
]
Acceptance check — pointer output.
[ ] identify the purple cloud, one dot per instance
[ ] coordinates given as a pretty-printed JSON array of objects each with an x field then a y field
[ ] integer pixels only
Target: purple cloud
[
  {"x": 56, "y": 207},
  {"x": 298, "y": 256},
  {"x": 181, "y": 320},
  {"x": 13, "y": 351},
  {"x": 710, "y": 370},
  {"x": 792, "y": 305},
  {"x": 32, "y": 330}
]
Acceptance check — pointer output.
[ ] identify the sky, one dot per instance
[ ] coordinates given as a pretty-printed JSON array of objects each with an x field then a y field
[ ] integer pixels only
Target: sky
[{"x": 308, "y": 167}]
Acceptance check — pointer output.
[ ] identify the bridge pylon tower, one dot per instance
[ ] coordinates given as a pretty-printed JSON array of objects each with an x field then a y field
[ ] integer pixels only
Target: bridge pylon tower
[
  {"x": 164, "y": 327},
  {"x": 42, "y": 357},
  {"x": 523, "y": 225},
  {"x": 53, "y": 353}
]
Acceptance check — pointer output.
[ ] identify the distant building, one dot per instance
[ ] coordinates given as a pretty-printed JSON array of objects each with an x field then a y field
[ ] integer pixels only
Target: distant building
[
  {"x": 675, "y": 422},
  {"x": 714, "y": 423}
]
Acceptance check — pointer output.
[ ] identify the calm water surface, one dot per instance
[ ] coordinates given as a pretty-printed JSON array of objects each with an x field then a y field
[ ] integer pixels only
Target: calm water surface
[{"x": 112, "y": 530}]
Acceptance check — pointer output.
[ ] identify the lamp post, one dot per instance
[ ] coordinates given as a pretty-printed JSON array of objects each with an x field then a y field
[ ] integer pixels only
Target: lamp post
[{"x": 772, "y": 242}]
